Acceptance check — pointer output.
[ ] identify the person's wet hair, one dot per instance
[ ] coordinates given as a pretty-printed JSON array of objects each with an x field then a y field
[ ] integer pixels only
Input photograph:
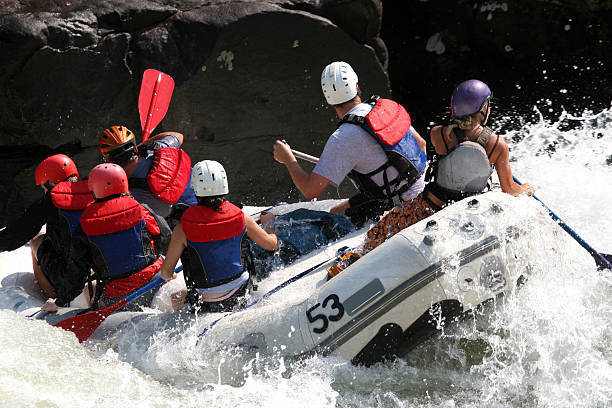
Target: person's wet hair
[{"x": 213, "y": 202}]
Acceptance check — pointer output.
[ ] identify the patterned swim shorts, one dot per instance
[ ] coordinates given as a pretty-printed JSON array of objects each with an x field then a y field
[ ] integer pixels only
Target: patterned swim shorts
[{"x": 398, "y": 218}]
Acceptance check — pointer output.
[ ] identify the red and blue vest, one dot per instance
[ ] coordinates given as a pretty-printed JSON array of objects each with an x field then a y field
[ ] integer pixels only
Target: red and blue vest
[
  {"x": 169, "y": 175},
  {"x": 389, "y": 124},
  {"x": 119, "y": 231},
  {"x": 213, "y": 255},
  {"x": 71, "y": 198}
]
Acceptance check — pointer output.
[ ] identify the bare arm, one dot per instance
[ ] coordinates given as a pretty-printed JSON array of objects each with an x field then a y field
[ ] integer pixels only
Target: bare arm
[
  {"x": 310, "y": 185},
  {"x": 421, "y": 142},
  {"x": 266, "y": 239},
  {"x": 436, "y": 140},
  {"x": 178, "y": 243},
  {"x": 340, "y": 209},
  {"x": 158, "y": 136},
  {"x": 501, "y": 158}
]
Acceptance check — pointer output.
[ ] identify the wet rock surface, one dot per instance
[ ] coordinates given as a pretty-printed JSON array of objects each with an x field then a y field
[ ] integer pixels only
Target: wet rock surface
[{"x": 247, "y": 73}]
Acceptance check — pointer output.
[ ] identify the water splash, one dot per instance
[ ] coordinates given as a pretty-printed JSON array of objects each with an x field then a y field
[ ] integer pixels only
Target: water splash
[{"x": 547, "y": 344}]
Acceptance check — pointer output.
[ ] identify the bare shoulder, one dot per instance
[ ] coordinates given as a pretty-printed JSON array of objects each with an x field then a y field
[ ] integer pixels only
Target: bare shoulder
[
  {"x": 497, "y": 147},
  {"x": 435, "y": 131},
  {"x": 436, "y": 136}
]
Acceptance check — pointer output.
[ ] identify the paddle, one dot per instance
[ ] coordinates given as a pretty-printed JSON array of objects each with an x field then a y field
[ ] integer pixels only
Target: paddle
[
  {"x": 39, "y": 314},
  {"x": 603, "y": 261},
  {"x": 85, "y": 324},
  {"x": 265, "y": 210},
  {"x": 154, "y": 99},
  {"x": 279, "y": 287},
  {"x": 303, "y": 156}
]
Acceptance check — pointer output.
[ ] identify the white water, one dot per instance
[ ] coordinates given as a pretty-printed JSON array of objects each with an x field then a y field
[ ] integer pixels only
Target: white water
[{"x": 548, "y": 344}]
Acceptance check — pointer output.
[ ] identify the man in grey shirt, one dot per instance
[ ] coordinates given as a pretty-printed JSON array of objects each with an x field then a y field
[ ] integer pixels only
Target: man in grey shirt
[{"x": 350, "y": 148}]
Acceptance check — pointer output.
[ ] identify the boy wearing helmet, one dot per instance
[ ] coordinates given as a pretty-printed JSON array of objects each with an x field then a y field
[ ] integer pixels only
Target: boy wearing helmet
[
  {"x": 208, "y": 242},
  {"x": 126, "y": 238},
  {"x": 374, "y": 145},
  {"x": 59, "y": 260},
  {"x": 466, "y": 150},
  {"x": 158, "y": 170}
]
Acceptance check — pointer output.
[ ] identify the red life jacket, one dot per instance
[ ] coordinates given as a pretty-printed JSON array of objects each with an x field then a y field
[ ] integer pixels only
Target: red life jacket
[
  {"x": 170, "y": 173},
  {"x": 213, "y": 255},
  {"x": 203, "y": 224},
  {"x": 71, "y": 198},
  {"x": 110, "y": 216},
  {"x": 389, "y": 124},
  {"x": 121, "y": 229}
]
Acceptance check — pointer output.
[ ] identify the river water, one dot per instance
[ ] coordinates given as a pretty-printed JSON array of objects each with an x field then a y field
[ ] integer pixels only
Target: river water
[{"x": 548, "y": 344}]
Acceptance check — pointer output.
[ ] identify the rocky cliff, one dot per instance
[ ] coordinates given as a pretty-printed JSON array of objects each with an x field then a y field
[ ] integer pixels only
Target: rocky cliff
[{"x": 247, "y": 72}]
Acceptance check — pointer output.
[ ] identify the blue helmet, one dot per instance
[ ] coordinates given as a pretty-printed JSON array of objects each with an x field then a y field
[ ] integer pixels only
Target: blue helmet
[{"x": 469, "y": 97}]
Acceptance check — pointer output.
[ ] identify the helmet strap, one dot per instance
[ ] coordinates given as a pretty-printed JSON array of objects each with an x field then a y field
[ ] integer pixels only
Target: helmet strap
[
  {"x": 121, "y": 157},
  {"x": 48, "y": 185},
  {"x": 485, "y": 112},
  {"x": 110, "y": 197}
]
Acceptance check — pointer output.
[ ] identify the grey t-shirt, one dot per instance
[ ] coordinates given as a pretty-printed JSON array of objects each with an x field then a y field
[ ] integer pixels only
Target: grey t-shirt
[{"x": 352, "y": 148}]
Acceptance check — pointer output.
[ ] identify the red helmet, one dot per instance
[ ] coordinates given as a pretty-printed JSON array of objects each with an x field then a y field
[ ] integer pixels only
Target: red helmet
[
  {"x": 107, "y": 179},
  {"x": 55, "y": 168}
]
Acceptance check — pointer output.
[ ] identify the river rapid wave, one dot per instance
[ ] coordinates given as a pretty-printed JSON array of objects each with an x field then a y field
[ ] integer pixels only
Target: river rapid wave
[{"x": 547, "y": 344}]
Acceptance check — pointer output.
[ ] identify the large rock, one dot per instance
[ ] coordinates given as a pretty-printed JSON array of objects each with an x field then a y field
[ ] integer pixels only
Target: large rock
[
  {"x": 551, "y": 54},
  {"x": 246, "y": 73}
]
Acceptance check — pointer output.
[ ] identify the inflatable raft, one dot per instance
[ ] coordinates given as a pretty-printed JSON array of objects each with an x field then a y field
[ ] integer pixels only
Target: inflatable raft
[{"x": 381, "y": 305}]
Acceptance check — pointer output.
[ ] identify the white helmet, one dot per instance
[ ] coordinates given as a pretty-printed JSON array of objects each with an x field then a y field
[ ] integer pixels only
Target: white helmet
[
  {"x": 208, "y": 178},
  {"x": 339, "y": 83}
]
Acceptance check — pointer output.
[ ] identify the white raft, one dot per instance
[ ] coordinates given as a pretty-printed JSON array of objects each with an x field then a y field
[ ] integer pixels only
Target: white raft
[
  {"x": 385, "y": 302},
  {"x": 381, "y": 305}
]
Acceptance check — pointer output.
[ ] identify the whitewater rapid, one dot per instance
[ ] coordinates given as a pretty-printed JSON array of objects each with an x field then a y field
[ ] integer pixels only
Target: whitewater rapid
[{"x": 548, "y": 344}]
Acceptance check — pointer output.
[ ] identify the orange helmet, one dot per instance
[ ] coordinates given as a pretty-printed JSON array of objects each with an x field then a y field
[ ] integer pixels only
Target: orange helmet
[
  {"x": 117, "y": 144},
  {"x": 54, "y": 169}
]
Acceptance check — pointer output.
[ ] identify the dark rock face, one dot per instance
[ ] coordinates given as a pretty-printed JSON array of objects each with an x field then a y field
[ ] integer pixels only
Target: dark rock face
[
  {"x": 526, "y": 51},
  {"x": 246, "y": 73}
]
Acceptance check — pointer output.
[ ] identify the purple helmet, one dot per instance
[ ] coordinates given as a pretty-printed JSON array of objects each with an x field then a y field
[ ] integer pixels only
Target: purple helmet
[{"x": 469, "y": 97}]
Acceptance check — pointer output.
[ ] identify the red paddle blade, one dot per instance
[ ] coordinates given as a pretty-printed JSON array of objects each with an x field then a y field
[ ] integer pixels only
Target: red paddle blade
[
  {"x": 155, "y": 94},
  {"x": 84, "y": 325}
]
